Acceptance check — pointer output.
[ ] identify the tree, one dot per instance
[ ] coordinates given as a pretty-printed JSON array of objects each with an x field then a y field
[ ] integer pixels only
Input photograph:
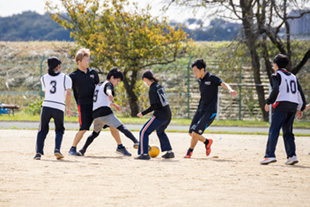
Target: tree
[
  {"x": 262, "y": 21},
  {"x": 133, "y": 40}
]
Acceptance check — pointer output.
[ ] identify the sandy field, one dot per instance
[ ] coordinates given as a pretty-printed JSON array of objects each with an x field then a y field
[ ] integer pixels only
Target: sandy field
[{"x": 230, "y": 176}]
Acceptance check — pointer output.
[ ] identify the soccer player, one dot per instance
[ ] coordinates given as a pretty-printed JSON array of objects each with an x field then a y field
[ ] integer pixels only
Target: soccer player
[
  {"x": 159, "y": 121},
  {"x": 84, "y": 81},
  {"x": 57, "y": 88},
  {"x": 207, "y": 108},
  {"x": 102, "y": 113},
  {"x": 286, "y": 97}
]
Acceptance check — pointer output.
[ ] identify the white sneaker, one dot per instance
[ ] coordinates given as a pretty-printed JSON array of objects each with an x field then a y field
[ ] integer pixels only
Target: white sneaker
[
  {"x": 268, "y": 160},
  {"x": 291, "y": 160}
]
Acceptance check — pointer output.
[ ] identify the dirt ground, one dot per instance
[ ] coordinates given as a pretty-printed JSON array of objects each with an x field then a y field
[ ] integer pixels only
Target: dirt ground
[{"x": 230, "y": 176}]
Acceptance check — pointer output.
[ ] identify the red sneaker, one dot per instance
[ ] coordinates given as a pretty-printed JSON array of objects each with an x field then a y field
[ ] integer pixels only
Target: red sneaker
[
  {"x": 188, "y": 154},
  {"x": 208, "y": 147}
]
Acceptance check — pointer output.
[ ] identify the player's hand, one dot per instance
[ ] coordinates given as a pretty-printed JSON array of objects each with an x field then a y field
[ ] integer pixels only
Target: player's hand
[
  {"x": 233, "y": 92},
  {"x": 139, "y": 115},
  {"x": 117, "y": 107},
  {"x": 299, "y": 114},
  {"x": 68, "y": 112},
  {"x": 266, "y": 107},
  {"x": 111, "y": 97}
]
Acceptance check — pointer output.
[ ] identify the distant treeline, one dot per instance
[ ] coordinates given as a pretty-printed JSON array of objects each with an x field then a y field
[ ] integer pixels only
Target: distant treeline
[{"x": 31, "y": 26}]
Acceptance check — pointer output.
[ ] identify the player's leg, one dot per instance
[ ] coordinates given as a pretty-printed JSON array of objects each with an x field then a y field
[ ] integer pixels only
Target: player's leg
[
  {"x": 129, "y": 135},
  {"x": 289, "y": 139},
  {"x": 98, "y": 124},
  {"x": 43, "y": 130},
  {"x": 146, "y": 130},
  {"x": 58, "y": 117},
  {"x": 164, "y": 140},
  {"x": 192, "y": 126},
  {"x": 113, "y": 121},
  {"x": 85, "y": 119},
  {"x": 202, "y": 121},
  {"x": 115, "y": 134},
  {"x": 278, "y": 118}
]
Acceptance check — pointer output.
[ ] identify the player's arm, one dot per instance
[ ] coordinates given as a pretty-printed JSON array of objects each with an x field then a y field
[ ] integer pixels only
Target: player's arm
[
  {"x": 229, "y": 89},
  {"x": 42, "y": 83},
  {"x": 117, "y": 107},
  {"x": 146, "y": 111},
  {"x": 108, "y": 90},
  {"x": 275, "y": 83},
  {"x": 153, "y": 96},
  {"x": 68, "y": 83},
  {"x": 68, "y": 101}
]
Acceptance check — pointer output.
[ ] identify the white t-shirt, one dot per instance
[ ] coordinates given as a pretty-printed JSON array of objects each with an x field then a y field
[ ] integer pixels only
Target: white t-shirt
[
  {"x": 55, "y": 88},
  {"x": 100, "y": 98},
  {"x": 288, "y": 89}
]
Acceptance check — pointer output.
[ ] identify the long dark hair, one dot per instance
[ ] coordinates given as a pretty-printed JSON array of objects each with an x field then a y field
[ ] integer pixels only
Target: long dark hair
[{"x": 149, "y": 75}]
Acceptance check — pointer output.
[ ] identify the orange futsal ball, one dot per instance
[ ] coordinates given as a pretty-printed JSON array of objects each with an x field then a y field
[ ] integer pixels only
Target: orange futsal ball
[{"x": 154, "y": 152}]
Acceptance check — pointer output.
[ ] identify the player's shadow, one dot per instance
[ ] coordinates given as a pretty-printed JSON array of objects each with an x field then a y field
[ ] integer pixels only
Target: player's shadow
[
  {"x": 61, "y": 160},
  {"x": 168, "y": 160},
  {"x": 104, "y": 157},
  {"x": 214, "y": 159},
  {"x": 296, "y": 166}
]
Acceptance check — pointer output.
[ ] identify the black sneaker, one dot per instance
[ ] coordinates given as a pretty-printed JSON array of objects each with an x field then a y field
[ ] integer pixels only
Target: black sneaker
[
  {"x": 168, "y": 155},
  {"x": 37, "y": 156},
  {"x": 58, "y": 155},
  {"x": 123, "y": 151},
  {"x": 81, "y": 152},
  {"x": 143, "y": 157}
]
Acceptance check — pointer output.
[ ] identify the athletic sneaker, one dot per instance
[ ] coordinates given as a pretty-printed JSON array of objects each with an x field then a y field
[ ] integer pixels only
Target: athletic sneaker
[
  {"x": 168, "y": 155},
  {"x": 136, "y": 145},
  {"x": 58, "y": 155},
  {"x": 73, "y": 152},
  {"x": 37, "y": 156},
  {"x": 123, "y": 151},
  {"x": 188, "y": 154},
  {"x": 81, "y": 152},
  {"x": 143, "y": 157},
  {"x": 268, "y": 160},
  {"x": 208, "y": 147},
  {"x": 291, "y": 160}
]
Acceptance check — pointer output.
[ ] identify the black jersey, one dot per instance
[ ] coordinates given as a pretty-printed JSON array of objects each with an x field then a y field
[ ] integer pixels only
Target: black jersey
[
  {"x": 159, "y": 102},
  {"x": 208, "y": 86},
  {"x": 83, "y": 85}
]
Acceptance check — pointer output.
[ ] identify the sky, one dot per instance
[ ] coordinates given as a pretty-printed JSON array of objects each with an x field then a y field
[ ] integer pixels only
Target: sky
[{"x": 10, "y": 7}]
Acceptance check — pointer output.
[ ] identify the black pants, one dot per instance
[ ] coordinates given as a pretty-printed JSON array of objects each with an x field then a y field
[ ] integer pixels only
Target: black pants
[{"x": 46, "y": 115}]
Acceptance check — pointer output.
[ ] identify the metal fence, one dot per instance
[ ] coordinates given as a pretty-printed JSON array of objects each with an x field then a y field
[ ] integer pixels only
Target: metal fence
[{"x": 177, "y": 78}]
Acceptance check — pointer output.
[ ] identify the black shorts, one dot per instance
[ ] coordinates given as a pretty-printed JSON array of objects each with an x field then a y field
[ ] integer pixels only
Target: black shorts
[
  {"x": 85, "y": 116},
  {"x": 201, "y": 121}
]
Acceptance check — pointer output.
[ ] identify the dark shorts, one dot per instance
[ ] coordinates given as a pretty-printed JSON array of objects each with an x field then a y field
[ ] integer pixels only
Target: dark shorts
[
  {"x": 85, "y": 116},
  {"x": 201, "y": 121}
]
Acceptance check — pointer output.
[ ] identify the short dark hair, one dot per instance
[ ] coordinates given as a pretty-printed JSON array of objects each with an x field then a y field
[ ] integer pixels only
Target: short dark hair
[
  {"x": 149, "y": 75},
  {"x": 281, "y": 60},
  {"x": 116, "y": 73},
  {"x": 199, "y": 63}
]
